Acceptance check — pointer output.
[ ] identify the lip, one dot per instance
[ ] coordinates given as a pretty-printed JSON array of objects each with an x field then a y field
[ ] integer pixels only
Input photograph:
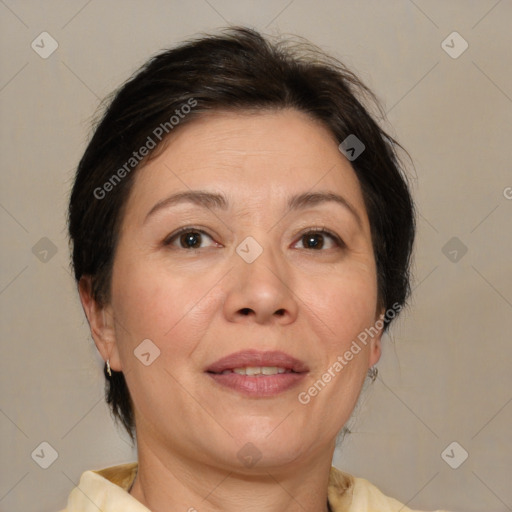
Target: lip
[
  {"x": 262, "y": 385},
  {"x": 257, "y": 358}
]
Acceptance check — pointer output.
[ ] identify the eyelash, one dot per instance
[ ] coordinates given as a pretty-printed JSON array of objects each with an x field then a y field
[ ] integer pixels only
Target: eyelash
[
  {"x": 323, "y": 231},
  {"x": 311, "y": 231},
  {"x": 187, "y": 229}
]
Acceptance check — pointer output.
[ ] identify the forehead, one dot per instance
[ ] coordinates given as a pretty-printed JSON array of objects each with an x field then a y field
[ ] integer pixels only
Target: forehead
[{"x": 251, "y": 156}]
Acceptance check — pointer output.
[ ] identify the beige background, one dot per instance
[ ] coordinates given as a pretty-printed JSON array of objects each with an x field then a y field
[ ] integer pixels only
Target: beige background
[{"x": 445, "y": 375}]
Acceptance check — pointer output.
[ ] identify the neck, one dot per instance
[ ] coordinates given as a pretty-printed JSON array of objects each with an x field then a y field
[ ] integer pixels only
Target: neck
[{"x": 175, "y": 482}]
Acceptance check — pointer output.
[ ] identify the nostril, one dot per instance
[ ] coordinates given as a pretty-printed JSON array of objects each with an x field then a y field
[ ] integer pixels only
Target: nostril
[
  {"x": 246, "y": 311},
  {"x": 280, "y": 312}
]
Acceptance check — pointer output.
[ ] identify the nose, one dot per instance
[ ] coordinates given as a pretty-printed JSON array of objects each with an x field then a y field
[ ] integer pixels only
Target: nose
[{"x": 261, "y": 292}]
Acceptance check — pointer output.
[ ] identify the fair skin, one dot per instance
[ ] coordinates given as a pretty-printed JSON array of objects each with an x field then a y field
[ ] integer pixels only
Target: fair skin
[{"x": 308, "y": 297}]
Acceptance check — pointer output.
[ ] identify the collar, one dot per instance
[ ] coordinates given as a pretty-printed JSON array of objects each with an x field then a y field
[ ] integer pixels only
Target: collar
[{"x": 107, "y": 489}]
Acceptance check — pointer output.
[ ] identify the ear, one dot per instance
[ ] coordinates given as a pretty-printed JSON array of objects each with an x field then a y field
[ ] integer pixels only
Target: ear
[
  {"x": 101, "y": 323},
  {"x": 375, "y": 344}
]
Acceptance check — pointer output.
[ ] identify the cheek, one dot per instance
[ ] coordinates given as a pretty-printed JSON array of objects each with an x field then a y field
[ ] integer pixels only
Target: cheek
[
  {"x": 345, "y": 304},
  {"x": 340, "y": 310},
  {"x": 150, "y": 303}
]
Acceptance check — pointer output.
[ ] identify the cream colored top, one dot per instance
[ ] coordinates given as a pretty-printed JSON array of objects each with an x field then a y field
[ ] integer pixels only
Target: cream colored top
[{"x": 107, "y": 490}]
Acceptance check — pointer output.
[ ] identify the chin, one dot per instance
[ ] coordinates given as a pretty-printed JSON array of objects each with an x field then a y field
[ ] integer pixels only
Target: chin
[
  {"x": 256, "y": 457},
  {"x": 267, "y": 449}
]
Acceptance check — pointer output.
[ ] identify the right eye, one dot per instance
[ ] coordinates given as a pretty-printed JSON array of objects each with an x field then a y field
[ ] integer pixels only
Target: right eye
[{"x": 189, "y": 238}]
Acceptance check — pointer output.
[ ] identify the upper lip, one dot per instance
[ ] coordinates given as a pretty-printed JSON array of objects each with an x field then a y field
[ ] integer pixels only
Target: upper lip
[{"x": 257, "y": 358}]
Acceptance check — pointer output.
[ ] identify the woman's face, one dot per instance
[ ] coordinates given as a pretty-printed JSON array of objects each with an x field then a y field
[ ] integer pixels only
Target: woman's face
[{"x": 246, "y": 237}]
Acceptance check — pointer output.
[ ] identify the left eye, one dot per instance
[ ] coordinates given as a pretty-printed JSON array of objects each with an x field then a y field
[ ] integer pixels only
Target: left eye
[
  {"x": 318, "y": 240},
  {"x": 188, "y": 239}
]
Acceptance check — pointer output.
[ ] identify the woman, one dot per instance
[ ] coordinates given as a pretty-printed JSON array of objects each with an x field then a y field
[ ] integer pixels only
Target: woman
[{"x": 241, "y": 238}]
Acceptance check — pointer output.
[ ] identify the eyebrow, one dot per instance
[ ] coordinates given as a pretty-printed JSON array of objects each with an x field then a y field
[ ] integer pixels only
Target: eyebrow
[
  {"x": 207, "y": 200},
  {"x": 315, "y": 198},
  {"x": 210, "y": 200}
]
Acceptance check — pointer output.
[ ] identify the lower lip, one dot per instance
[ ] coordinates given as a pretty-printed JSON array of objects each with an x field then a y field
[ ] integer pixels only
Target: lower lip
[{"x": 258, "y": 386}]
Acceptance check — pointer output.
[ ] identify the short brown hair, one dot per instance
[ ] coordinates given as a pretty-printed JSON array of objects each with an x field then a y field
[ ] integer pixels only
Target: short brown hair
[{"x": 242, "y": 70}]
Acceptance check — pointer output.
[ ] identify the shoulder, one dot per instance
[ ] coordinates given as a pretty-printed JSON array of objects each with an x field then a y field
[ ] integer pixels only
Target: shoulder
[
  {"x": 109, "y": 487},
  {"x": 347, "y": 493},
  {"x": 122, "y": 475},
  {"x": 106, "y": 488}
]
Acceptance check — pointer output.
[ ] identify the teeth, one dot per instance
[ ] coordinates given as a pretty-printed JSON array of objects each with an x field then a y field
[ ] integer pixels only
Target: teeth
[{"x": 260, "y": 370}]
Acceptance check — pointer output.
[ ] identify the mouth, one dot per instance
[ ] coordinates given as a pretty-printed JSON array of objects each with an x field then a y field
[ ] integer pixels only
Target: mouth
[
  {"x": 258, "y": 374},
  {"x": 257, "y": 370}
]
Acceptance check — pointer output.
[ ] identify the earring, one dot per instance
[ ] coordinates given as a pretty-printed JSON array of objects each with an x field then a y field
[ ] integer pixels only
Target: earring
[
  {"x": 108, "y": 368},
  {"x": 373, "y": 372}
]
